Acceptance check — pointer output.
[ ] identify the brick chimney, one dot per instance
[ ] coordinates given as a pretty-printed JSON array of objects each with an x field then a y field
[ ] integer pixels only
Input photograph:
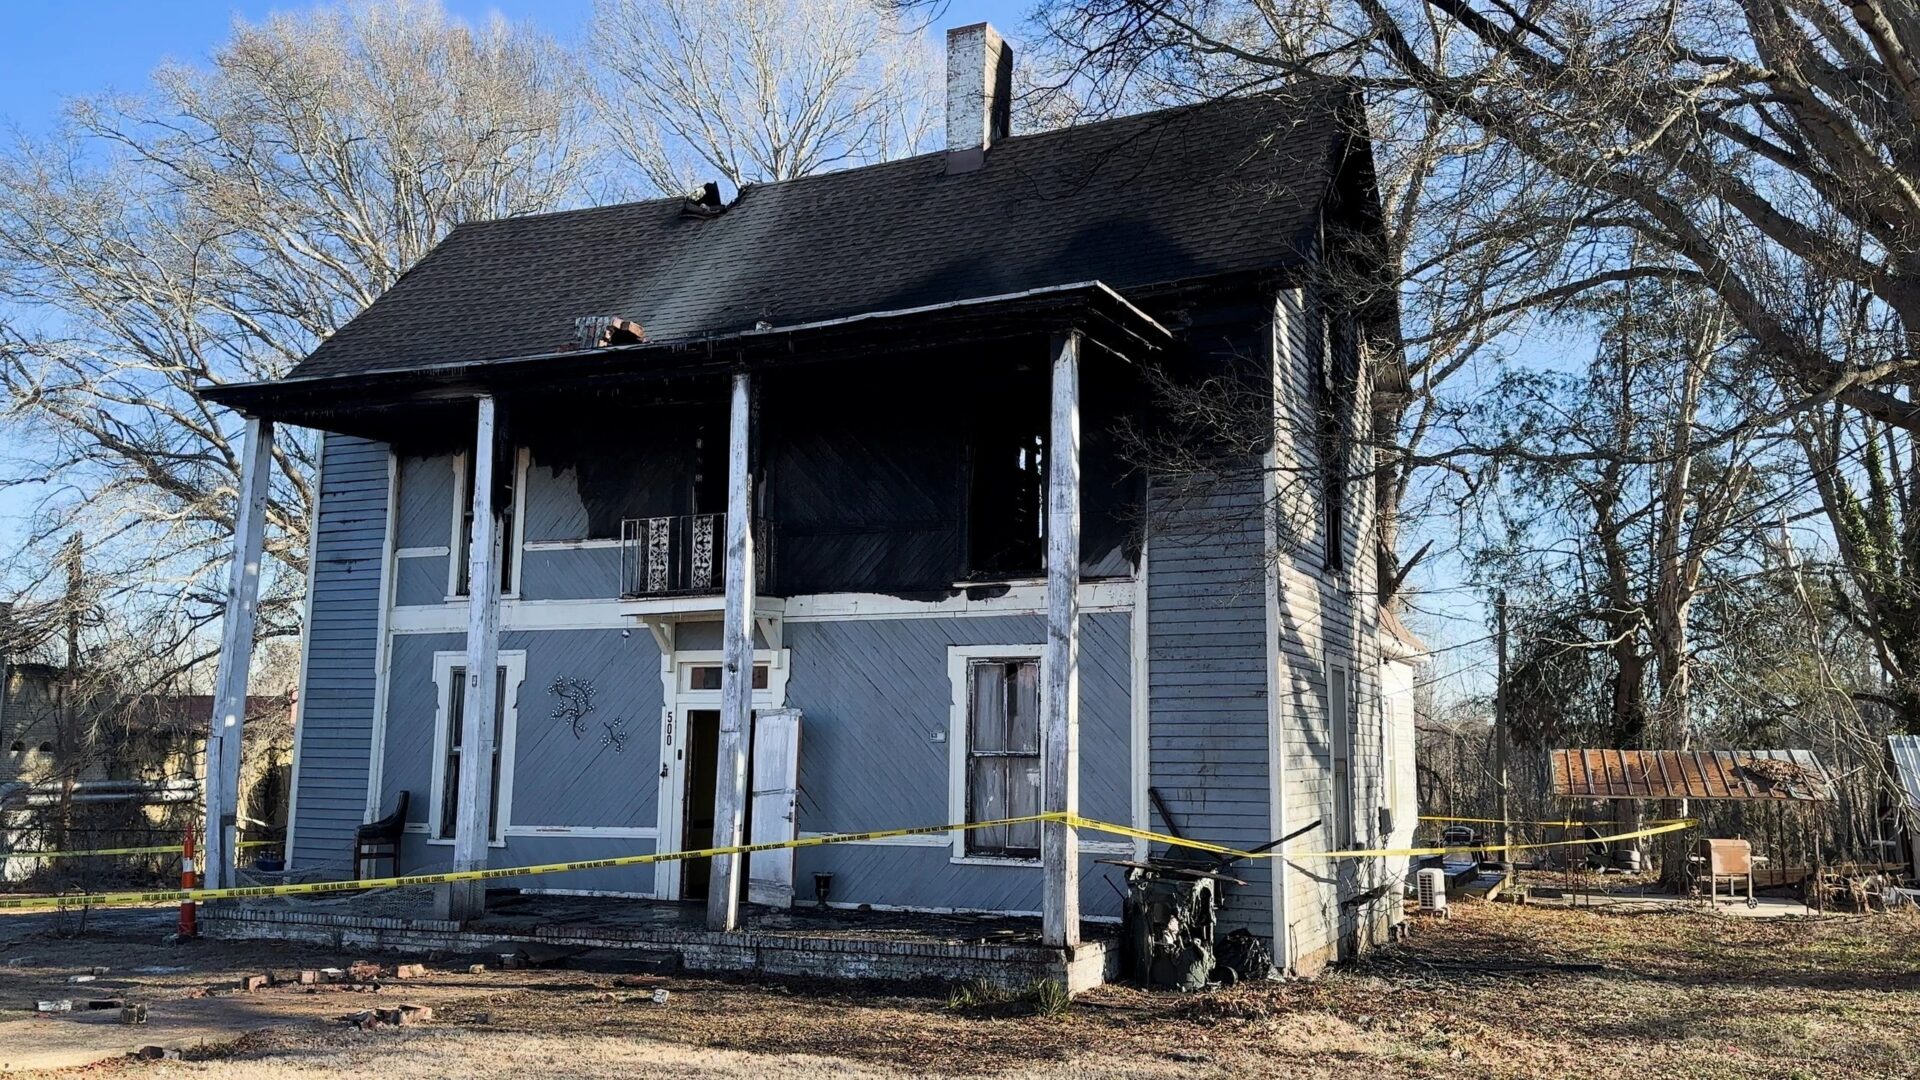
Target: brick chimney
[{"x": 979, "y": 94}]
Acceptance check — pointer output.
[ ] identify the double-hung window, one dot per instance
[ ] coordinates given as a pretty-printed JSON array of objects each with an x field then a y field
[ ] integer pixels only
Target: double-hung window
[
  {"x": 1002, "y": 767},
  {"x": 463, "y": 533},
  {"x": 453, "y": 756}
]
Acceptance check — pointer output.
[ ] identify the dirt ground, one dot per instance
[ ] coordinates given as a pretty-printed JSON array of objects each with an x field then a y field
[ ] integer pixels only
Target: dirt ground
[{"x": 1496, "y": 991}]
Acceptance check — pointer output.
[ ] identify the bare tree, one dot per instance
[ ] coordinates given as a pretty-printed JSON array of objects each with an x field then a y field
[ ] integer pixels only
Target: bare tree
[
  {"x": 1465, "y": 276},
  {"x": 754, "y": 91},
  {"x": 213, "y": 231}
]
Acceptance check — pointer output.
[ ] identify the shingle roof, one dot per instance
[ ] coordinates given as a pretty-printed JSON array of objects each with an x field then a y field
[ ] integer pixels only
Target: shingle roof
[{"x": 1231, "y": 186}]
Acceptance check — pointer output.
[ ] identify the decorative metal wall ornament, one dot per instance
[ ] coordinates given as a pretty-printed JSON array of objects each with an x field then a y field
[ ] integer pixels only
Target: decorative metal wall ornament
[
  {"x": 576, "y": 701},
  {"x": 613, "y": 735}
]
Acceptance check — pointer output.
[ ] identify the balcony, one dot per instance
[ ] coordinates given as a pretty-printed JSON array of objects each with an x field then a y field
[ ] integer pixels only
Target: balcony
[{"x": 682, "y": 555}]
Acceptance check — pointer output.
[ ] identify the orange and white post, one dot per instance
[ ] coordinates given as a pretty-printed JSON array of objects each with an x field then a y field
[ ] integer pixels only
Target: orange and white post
[{"x": 189, "y": 926}]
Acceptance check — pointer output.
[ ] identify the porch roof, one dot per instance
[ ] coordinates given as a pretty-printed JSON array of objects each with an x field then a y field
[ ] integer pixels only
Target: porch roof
[{"x": 377, "y": 402}]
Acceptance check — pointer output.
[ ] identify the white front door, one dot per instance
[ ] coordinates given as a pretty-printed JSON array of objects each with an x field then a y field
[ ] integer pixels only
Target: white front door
[
  {"x": 690, "y": 685},
  {"x": 773, "y": 817}
]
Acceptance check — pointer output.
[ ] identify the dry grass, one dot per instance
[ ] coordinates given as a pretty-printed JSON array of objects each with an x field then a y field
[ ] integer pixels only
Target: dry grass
[{"x": 1499, "y": 991}]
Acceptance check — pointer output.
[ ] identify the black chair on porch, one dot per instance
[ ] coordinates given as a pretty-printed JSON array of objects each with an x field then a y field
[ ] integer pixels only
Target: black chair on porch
[{"x": 377, "y": 840}]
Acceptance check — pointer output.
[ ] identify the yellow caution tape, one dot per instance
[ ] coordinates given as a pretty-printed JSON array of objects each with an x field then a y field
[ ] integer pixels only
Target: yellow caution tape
[
  {"x": 82, "y": 854},
  {"x": 1216, "y": 849},
  {"x": 163, "y": 849},
  {"x": 1655, "y": 830},
  {"x": 169, "y": 896}
]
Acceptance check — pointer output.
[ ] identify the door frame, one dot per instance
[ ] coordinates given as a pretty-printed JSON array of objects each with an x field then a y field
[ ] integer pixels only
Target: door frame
[{"x": 676, "y": 673}]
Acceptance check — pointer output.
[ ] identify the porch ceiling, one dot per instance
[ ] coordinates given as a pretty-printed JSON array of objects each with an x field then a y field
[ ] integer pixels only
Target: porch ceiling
[{"x": 399, "y": 401}]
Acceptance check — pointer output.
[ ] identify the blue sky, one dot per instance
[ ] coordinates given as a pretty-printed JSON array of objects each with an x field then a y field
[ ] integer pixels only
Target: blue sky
[{"x": 56, "y": 50}]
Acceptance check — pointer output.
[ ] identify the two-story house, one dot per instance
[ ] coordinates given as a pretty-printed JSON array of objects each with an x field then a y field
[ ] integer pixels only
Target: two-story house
[{"x": 833, "y": 508}]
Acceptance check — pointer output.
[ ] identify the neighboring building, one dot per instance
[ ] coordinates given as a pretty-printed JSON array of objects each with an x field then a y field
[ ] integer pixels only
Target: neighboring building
[
  {"x": 876, "y": 362},
  {"x": 86, "y": 769}
]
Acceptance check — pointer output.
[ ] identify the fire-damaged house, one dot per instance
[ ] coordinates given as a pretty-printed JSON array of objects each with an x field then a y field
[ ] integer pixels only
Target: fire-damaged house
[{"x": 835, "y": 508}]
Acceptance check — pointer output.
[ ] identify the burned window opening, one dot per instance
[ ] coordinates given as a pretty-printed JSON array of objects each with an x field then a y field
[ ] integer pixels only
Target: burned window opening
[
  {"x": 1331, "y": 383},
  {"x": 1007, "y": 479}
]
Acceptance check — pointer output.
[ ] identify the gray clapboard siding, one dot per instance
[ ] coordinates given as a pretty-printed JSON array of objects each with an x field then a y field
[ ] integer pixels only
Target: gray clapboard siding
[
  {"x": 559, "y": 779},
  {"x": 421, "y": 857},
  {"x": 570, "y": 574},
  {"x": 423, "y": 516},
  {"x": 420, "y": 580},
  {"x": 876, "y": 694},
  {"x": 1328, "y": 618},
  {"x": 336, "y": 717},
  {"x": 1206, "y": 649},
  {"x": 926, "y": 878}
]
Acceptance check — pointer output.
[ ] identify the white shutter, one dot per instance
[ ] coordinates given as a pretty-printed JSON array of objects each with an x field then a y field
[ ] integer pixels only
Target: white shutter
[{"x": 776, "y": 787}]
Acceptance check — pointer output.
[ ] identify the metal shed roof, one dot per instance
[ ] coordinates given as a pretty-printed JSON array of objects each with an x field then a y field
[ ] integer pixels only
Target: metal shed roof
[
  {"x": 1794, "y": 775},
  {"x": 1906, "y": 765}
]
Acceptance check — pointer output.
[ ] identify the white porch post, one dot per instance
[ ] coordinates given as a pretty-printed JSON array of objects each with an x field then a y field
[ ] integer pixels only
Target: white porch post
[
  {"x": 473, "y": 826},
  {"x": 236, "y": 656},
  {"x": 1060, "y": 698},
  {"x": 736, "y": 671}
]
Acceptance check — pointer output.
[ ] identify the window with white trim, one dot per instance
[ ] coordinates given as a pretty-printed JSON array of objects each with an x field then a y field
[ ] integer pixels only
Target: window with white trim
[
  {"x": 450, "y": 683},
  {"x": 1340, "y": 727},
  {"x": 1003, "y": 770},
  {"x": 507, "y": 473}
]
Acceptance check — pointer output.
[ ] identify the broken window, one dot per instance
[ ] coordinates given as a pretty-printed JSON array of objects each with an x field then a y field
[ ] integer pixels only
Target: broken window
[
  {"x": 463, "y": 551},
  {"x": 455, "y": 699},
  {"x": 1003, "y": 756},
  {"x": 1007, "y": 481}
]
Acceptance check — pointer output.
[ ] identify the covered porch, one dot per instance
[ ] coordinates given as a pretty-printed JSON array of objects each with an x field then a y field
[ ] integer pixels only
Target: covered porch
[{"x": 692, "y": 562}]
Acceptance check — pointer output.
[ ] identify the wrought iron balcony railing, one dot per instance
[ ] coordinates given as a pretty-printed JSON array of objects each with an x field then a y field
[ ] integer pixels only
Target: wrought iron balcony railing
[{"x": 681, "y": 555}]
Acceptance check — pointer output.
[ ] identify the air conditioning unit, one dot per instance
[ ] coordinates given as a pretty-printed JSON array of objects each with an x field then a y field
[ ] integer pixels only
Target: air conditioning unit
[{"x": 1432, "y": 886}]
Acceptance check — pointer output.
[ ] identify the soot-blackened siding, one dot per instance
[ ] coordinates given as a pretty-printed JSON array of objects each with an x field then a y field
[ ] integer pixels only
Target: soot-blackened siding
[
  {"x": 342, "y": 650},
  {"x": 862, "y": 478}
]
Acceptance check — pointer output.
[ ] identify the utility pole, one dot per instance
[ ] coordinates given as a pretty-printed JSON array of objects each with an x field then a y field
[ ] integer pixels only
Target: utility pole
[{"x": 1500, "y": 729}]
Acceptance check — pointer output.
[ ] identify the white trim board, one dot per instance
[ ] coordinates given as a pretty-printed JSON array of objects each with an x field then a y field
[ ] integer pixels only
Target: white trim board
[
  {"x": 1140, "y": 701},
  {"x": 583, "y": 832},
  {"x": 612, "y": 614},
  {"x": 382, "y": 646},
  {"x": 1281, "y": 936},
  {"x": 515, "y": 663},
  {"x": 571, "y": 545}
]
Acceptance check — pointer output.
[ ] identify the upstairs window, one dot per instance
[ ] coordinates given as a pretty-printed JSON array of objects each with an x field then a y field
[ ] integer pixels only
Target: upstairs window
[
  {"x": 1007, "y": 479},
  {"x": 463, "y": 506},
  {"x": 1330, "y": 389},
  {"x": 1003, "y": 773}
]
